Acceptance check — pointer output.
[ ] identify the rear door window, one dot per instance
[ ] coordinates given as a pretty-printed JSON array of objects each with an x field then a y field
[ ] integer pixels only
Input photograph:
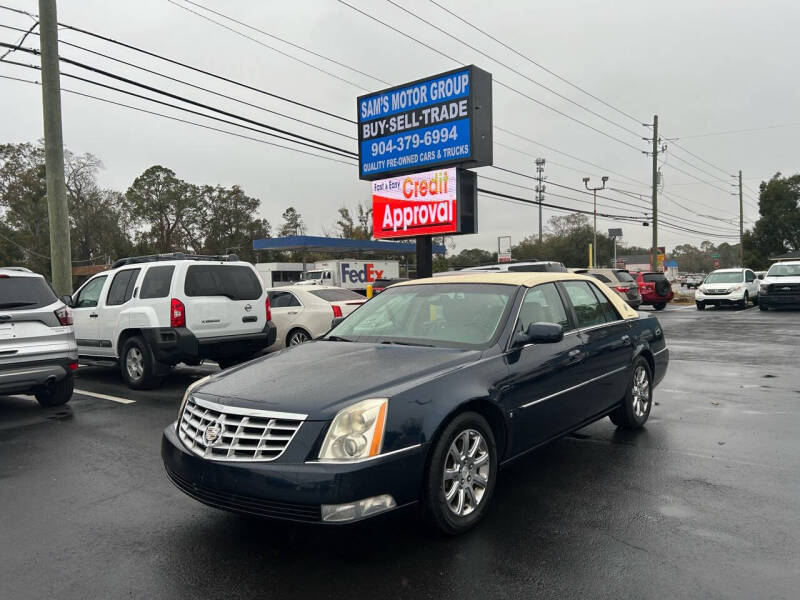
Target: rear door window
[
  {"x": 121, "y": 289},
  {"x": 157, "y": 281},
  {"x": 283, "y": 300},
  {"x": 607, "y": 309},
  {"x": 90, "y": 293},
  {"x": 236, "y": 282},
  {"x": 24, "y": 293},
  {"x": 585, "y": 303},
  {"x": 600, "y": 277}
]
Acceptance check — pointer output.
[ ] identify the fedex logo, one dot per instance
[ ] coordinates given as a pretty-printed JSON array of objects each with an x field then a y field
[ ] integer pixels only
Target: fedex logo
[{"x": 366, "y": 275}]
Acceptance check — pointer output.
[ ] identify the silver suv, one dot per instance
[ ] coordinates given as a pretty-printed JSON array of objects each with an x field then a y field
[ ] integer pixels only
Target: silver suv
[{"x": 38, "y": 353}]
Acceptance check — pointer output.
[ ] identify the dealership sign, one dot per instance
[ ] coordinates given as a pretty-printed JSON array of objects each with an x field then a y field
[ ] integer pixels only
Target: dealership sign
[
  {"x": 440, "y": 202},
  {"x": 444, "y": 120}
]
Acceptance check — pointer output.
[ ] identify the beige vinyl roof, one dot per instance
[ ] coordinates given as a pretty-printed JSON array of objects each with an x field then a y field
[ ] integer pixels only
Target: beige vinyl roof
[{"x": 527, "y": 280}]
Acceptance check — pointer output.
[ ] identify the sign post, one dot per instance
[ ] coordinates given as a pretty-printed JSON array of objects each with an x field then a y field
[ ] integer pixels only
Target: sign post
[
  {"x": 504, "y": 248},
  {"x": 417, "y": 139}
]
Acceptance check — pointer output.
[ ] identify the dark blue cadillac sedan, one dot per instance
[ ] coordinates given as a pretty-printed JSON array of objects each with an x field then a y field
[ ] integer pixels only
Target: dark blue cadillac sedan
[{"x": 418, "y": 397}]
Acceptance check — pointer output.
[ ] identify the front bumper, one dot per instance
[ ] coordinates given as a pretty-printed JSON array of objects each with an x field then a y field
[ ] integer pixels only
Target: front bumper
[
  {"x": 24, "y": 377},
  {"x": 778, "y": 300},
  {"x": 720, "y": 299},
  {"x": 172, "y": 345},
  {"x": 290, "y": 490}
]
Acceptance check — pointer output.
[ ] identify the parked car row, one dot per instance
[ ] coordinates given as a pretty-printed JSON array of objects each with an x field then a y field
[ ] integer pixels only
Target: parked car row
[{"x": 728, "y": 287}]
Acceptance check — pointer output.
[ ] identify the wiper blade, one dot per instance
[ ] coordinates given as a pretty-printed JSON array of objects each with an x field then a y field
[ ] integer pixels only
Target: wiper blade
[
  {"x": 15, "y": 304},
  {"x": 407, "y": 344},
  {"x": 337, "y": 338}
]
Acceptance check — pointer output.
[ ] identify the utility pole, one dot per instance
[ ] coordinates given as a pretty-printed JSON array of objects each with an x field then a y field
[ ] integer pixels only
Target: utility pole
[
  {"x": 58, "y": 214},
  {"x": 654, "y": 251},
  {"x": 540, "y": 187},
  {"x": 594, "y": 237},
  {"x": 741, "y": 222}
]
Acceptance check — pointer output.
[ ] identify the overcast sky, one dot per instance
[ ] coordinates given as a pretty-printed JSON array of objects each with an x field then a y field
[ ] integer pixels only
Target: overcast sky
[{"x": 702, "y": 66}]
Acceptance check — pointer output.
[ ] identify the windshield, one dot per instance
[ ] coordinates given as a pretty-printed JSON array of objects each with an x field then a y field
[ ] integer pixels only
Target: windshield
[
  {"x": 784, "y": 271},
  {"x": 312, "y": 275},
  {"x": 725, "y": 277},
  {"x": 454, "y": 315}
]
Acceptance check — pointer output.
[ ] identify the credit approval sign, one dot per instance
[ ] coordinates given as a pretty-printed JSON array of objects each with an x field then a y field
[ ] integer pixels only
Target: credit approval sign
[
  {"x": 440, "y": 202},
  {"x": 444, "y": 120}
]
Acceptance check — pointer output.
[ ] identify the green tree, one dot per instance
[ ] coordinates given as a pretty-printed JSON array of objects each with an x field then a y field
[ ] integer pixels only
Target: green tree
[
  {"x": 229, "y": 222},
  {"x": 167, "y": 209},
  {"x": 292, "y": 223},
  {"x": 778, "y": 228},
  {"x": 359, "y": 228}
]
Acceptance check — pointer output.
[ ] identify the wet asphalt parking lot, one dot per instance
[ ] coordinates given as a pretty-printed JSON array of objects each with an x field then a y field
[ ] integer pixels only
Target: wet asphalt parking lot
[{"x": 702, "y": 503}]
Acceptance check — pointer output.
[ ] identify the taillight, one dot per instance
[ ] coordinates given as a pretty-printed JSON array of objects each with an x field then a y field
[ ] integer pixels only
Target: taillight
[
  {"x": 177, "y": 313},
  {"x": 64, "y": 315},
  {"x": 337, "y": 311},
  {"x": 621, "y": 288},
  {"x": 269, "y": 310},
  {"x": 73, "y": 366}
]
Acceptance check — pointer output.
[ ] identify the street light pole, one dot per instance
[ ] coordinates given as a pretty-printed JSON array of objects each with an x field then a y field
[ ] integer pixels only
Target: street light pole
[{"x": 594, "y": 237}]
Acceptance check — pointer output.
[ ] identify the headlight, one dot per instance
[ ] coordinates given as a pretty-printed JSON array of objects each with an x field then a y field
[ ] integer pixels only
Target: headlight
[
  {"x": 702, "y": 289},
  {"x": 735, "y": 288},
  {"x": 186, "y": 397},
  {"x": 356, "y": 431}
]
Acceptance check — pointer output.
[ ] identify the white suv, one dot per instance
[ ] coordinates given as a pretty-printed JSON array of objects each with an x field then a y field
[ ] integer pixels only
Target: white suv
[
  {"x": 728, "y": 287},
  {"x": 152, "y": 312}
]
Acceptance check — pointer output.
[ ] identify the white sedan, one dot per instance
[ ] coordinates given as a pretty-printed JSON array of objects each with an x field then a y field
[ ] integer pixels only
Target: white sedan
[{"x": 302, "y": 313}]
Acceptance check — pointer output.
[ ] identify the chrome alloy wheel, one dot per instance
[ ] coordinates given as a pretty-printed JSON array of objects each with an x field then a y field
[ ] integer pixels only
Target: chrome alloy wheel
[
  {"x": 466, "y": 472},
  {"x": 641, "y": 391},
  {"x": 298, "y": 337},
  {"x": 134, "y": 363}
]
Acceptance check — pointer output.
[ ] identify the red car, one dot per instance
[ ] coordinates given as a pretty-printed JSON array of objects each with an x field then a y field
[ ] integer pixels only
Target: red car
[{"x": 655, "y": 289}]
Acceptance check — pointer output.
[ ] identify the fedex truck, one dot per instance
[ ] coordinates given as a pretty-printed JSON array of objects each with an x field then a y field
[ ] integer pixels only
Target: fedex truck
[{"x": 351, "y": 273}]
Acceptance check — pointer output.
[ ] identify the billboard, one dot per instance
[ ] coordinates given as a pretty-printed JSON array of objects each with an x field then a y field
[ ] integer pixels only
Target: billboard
[
  {"x": 440, "y": 202},
  {"x": 443, "y": 120}
]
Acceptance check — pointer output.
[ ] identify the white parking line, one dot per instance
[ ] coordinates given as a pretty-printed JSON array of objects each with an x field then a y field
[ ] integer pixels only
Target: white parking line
[{"x": 105, "y": 397}]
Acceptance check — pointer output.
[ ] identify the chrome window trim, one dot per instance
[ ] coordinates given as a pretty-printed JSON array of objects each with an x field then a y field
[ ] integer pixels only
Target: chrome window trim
[
  {"x": 247, "y": 412},
  {"x": 519, "y": 310},
  {"x": 361, "y": 460},
  {"x": 574, "y": 387},
  {"x": 664, "y": 349}
]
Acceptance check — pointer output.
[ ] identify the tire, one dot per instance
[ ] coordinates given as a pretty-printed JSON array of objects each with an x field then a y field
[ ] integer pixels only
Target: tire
[
  {"x": 700, "y": 306},
  {"x": 663, "y": 287},
  {"x": 470, "y": 499},
  {"x": 744, "y": 301},
  {"x": 57, "y": 394},
  {"x": 762, "y": 307},
  {"x": 634, "y": 410},
  {"x": 297, "y": 336},
  {"x": 660, "y": 305},
  {"x": 138, "y": 365},
  {"x": 231, "y": 361}
]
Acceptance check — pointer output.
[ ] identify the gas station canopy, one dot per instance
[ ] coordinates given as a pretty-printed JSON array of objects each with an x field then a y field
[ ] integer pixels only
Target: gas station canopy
[{"x": 312, "y": 243}]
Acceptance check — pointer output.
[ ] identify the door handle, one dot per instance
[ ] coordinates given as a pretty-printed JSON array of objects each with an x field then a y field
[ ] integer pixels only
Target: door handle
[
  {"x": 292, "y": 312},
  {"x": 93, "y": 316},
  {"x": 575, "y": 356}
]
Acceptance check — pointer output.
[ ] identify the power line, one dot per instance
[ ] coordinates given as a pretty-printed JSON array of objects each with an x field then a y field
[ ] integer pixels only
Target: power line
[
  {"x": 190, "y": 67},
  {"x": 173, "y": 118},
  {"x": 452, "y": 59},
  {"x": 695, "y": 177},
  {"x": 22, "y": 41},
  {"x": 189, "y": 101},
  {"x": 512, "y": 69},
  {"x": 192, "y": 85},
  {"x": 701, "y": 159},
  {"x": 285, "y": 41},
  {"x": 182, "y": 108},
  {"x": 734, "y": 131},
  {"x": 260, "y": 43},
  {"x": 701, "y": 169},
  {"x": 533, "y": 62},
  {"x": 572, "y": 156}
]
